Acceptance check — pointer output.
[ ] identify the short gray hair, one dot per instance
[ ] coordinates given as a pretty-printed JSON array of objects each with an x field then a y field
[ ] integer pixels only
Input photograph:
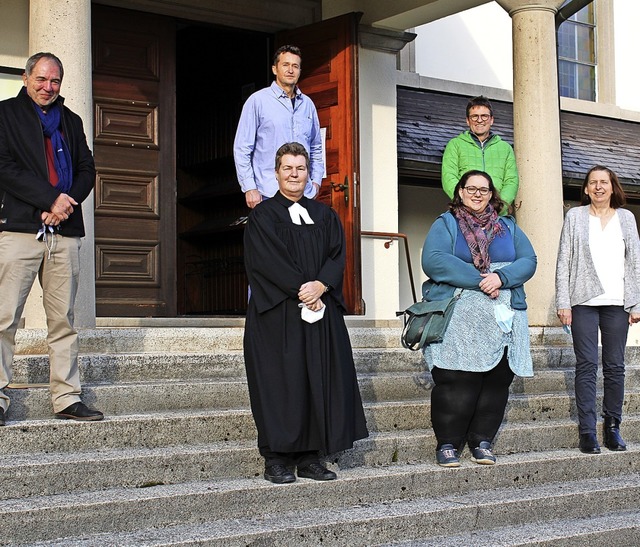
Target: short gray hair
[{"x": 33, "y": 60}]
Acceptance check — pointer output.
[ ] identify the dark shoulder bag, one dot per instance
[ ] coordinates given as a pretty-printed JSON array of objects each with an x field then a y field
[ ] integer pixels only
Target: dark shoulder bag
[{"x": 426, "y": 322}]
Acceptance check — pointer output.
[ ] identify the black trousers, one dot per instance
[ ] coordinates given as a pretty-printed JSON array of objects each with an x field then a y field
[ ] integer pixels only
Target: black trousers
[
  {"x": 469, "y": 406},
  {"x": 288, "y": 458}
]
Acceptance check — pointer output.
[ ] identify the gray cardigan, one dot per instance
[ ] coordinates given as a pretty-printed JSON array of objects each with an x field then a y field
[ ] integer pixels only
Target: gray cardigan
[{"x": 576, "y": 277}]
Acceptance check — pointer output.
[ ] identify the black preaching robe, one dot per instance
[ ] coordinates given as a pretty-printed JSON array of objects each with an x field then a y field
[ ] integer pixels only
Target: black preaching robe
[{"x": 302, "y": 381}]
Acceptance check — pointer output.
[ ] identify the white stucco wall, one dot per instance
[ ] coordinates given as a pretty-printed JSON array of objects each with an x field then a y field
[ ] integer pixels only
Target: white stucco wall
[
  {"x": 378, "y": 181},
  {"x": 479, "y": 50},
  {"x": 473, "y": 47},
  {"x": 626, "y": 18}
]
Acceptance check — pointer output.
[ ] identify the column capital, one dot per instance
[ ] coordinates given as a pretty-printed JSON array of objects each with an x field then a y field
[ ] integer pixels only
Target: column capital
[
  {"x": 514, "y": 6},
  {"x": 383, "y": 39}
]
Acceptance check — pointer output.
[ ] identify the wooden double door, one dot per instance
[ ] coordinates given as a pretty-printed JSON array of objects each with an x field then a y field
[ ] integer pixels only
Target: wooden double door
[{"x": 168, "y": 213}]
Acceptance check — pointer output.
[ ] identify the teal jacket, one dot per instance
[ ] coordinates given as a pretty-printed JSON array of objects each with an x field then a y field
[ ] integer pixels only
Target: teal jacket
[
  {"x": 448, "y": 272},
  {"x": 465, "y": 152}
]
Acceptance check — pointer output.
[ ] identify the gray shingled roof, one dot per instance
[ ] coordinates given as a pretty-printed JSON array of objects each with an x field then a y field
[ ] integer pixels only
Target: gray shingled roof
[{"x": 428, "y": 119}]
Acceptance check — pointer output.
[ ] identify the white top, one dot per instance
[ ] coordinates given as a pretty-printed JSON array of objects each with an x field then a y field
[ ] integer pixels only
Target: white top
[{"x": 607, "y": 250}]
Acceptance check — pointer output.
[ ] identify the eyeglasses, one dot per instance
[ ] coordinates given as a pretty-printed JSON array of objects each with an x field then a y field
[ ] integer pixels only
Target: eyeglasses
[
  {"x": 478, "y": 117},
  {"x": 473, "y": 190}
]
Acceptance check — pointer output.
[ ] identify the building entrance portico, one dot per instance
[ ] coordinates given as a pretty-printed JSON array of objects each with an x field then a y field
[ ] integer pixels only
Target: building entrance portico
[{"x": 376, "y": 101}]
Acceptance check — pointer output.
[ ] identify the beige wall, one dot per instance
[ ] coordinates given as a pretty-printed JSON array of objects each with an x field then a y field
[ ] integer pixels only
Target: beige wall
[
  {"x": 418, "y": 207},
  {"x": 14, "y": 30},
  {"x": 378, "y": 181}
]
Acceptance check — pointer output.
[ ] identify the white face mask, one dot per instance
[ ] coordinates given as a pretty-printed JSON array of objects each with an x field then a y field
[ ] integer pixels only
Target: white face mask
[
  {"x": 311, "y": 316},
  {"x": 504, "y": 317}
]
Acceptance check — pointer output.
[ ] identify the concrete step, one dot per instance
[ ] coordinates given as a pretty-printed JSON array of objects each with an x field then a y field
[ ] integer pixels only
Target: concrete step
[
  {"x": 175, "y": 461},
  {"x": 202, "y": 339},
  {"x": 135, "y": 462},
  {"x": 393, "y": 401},
  {"x": 132, "y": 367},
  {"x": 365, "y": 506},
  {"x": 607, "y": 530},
  {"x": 30, "y": 400},
  {"x": 171, "y": 427}
]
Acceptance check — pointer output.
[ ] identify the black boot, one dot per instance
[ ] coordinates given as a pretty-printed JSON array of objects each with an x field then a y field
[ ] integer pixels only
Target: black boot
[
  {"x": 589, "y": 443},
  {"x": 612, "y": 438}
]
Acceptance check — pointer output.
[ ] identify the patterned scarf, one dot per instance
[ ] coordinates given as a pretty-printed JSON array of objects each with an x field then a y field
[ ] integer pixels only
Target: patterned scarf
[
  {"x": 478, "y": 230},
  {"x": 51, "y": 123}
]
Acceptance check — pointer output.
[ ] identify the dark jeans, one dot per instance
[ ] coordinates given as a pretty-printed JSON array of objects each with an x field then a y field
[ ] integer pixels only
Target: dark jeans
[
  {"x": 613, "y": 323},
  {"x": 469, "y": 406}
]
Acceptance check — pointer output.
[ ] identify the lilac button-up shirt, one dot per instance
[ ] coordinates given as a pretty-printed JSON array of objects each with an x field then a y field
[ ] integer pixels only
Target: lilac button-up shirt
[{"x": 268, "y": 121}]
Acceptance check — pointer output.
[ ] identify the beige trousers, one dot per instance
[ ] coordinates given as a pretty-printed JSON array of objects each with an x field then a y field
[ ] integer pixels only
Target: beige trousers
[{"x": 56, "y": 262}]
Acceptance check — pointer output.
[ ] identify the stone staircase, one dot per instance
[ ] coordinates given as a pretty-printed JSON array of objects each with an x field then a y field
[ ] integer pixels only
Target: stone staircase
[{"x": 175, "y": 461}]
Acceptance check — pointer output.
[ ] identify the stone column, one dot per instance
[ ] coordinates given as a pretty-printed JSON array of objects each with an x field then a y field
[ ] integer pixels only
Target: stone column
[
  {"x": 536, "y": 121},
  {"x": 64, "y": 29}
]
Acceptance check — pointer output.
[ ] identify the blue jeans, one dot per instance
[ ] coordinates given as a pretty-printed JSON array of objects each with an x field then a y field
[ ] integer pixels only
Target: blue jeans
[{"x": 613, "y": 323}]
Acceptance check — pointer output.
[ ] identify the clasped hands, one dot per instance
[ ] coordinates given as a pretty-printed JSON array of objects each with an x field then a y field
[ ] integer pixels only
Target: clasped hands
[
  {"x": 310, "y": 293},
  {"x": 60, "y": 210},
  {"x": 490, "y": 284}
]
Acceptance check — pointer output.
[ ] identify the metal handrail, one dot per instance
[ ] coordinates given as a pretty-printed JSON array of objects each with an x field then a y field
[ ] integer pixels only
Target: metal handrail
[{"x": 391, "y": 236}]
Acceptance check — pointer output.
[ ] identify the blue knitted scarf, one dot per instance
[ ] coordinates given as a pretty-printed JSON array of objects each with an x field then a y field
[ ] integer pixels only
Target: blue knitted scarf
[{"x": 51, "y": 124}]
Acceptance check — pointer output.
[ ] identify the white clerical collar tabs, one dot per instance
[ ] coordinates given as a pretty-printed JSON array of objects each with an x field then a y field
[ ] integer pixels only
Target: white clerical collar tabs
[{"x": 297, "y": 211}]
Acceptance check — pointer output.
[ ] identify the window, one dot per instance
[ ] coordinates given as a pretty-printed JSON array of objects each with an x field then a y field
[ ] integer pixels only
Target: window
[
  {"x": 10, "y": 81},
  {"x": 577, "y": 55}
]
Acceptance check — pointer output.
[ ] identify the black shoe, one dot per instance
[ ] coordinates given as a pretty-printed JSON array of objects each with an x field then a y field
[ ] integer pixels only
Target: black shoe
[
  {"x": 80, "y": 411},
  {"x": 279, "y": 474},
  {"x": 317, "y": 472},
  {"x": 611, "y": 435},
  {"x": 1, "y": 416},
  {"x": 589, "y": 443}
]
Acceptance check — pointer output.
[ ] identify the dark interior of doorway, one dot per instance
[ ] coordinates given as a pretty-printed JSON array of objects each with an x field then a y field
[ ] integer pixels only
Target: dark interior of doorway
[{"x": 216, "y": 70}]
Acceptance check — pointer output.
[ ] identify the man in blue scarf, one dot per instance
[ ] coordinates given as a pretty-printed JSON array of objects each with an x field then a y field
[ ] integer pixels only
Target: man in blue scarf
[{"x": 46, "y": 172}]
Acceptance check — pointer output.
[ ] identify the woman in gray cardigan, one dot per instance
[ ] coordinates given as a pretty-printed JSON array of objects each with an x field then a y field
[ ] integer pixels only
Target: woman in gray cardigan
[{"x": 598, "y": 287}]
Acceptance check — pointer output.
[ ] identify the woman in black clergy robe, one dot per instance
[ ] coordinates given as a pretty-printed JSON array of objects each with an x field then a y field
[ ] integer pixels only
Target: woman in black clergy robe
[{"x": 302, "y": 382}]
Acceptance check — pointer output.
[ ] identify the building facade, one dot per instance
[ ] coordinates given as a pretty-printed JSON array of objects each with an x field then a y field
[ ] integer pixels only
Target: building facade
[{"x": 159, "y": 85}]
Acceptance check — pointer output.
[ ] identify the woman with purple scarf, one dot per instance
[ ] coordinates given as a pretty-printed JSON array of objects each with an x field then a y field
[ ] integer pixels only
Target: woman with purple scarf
[{"x": 472, "y": 251}]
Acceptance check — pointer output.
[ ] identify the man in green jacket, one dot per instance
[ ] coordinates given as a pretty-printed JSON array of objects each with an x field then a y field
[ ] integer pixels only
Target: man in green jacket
[{"x": 480, "y": 148}]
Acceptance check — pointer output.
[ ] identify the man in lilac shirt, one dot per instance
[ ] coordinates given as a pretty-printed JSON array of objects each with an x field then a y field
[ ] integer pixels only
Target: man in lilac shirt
[{"x": 273, "y": 116}]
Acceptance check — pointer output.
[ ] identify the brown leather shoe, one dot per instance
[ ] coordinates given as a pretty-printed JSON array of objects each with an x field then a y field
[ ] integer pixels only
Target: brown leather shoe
[
  {"x": 1, "y": 416},
  {"x": 81, "y": 412}
]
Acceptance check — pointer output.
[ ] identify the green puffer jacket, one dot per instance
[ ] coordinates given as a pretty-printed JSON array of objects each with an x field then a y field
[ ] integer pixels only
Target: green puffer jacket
[{"x": 464, "y": 153}]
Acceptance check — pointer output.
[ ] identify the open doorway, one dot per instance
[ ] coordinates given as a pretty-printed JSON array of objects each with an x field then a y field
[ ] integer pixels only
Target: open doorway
[
  {"x": 216, "y": 70},
  {"x": 169, "y": 211}
]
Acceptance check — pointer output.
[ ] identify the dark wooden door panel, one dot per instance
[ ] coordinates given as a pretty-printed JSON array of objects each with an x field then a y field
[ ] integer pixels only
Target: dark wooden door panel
[
  {"x": 134, "y": 148},
  {"x": 329, "y": 77}
]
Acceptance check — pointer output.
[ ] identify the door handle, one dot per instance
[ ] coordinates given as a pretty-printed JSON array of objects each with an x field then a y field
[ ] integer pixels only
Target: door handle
[{"x": 344, "y": 187}]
